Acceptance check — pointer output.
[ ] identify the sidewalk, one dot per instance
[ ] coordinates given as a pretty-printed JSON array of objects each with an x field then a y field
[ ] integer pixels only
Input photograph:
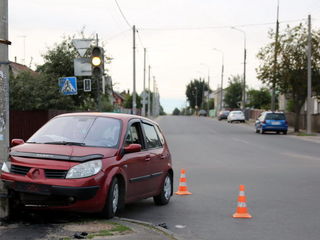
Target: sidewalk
[
  {"x": 300, "y": 135},
  {"x": 135, "y": 230}
]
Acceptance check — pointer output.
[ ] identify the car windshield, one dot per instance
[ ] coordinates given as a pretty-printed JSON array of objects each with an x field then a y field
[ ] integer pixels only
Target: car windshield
[
  {"x": 275, "y": 116},
  {"x": 79, "y": 130}
]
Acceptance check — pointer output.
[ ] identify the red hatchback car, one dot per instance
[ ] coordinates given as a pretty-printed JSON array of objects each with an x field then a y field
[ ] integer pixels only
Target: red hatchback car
[{"x": 90, "y": 162}]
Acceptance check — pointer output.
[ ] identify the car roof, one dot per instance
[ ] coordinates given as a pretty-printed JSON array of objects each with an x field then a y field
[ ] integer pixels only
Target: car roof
[{"x": 121, "y": 116}]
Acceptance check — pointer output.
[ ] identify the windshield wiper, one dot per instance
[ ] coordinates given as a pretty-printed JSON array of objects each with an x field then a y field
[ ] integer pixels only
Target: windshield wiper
[{"x": 65, "y": 143}]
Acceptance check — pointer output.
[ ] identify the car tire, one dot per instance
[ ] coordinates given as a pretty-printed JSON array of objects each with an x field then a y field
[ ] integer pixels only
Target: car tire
[
  {"x": 257, "y": 131},
  {"x": 166, "y": 192},
  {"x": 112, "y": 204},
  {"x": 261, "y": 131},
  {"x": 284, "y": 132},
  {"x": 278, "y": 132}
]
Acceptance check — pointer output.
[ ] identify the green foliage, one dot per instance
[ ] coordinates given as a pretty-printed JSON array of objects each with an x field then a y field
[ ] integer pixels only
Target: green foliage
[
  {"x": 176, "y": 112},
  {"x": 233, "y": 93},
  {"x": 194, "y": 92},
  {"x": 259, "y": 99},
  {"x": 162, "y": 112},
  {"x": 291, "y": 68},
  {"x": 128, "y": 101},
  {"x": 37, "y": 92}
]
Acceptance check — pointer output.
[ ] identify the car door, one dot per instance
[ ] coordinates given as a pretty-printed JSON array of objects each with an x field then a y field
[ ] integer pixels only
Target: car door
[
  {"x": 136, "y": 164},
  {"x": 158, "y": 155}
]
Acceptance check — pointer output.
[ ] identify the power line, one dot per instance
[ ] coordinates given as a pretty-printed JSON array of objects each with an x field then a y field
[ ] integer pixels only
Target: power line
[
  {"x": 124, "y": 17},
  {"x": 219, "y": 27}
]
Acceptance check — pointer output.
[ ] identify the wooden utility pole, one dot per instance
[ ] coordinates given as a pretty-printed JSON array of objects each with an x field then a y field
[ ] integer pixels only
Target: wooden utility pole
[{"x": 4, "y": 99}]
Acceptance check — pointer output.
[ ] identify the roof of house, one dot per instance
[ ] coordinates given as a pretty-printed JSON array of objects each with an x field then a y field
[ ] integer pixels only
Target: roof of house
[{"x": 17, "y": 68}]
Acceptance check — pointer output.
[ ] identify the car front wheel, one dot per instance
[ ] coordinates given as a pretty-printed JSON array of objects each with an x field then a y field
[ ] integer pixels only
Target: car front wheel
[
  {"x": 112, "y": 202},
  {"x": 164, "y": 197}
]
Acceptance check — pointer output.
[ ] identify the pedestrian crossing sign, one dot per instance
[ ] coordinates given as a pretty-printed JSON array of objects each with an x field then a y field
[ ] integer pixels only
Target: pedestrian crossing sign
[{"x": 68, "y": 85}]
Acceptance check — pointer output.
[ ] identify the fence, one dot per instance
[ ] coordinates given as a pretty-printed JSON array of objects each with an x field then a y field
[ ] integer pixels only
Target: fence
[
  {"x": 24, "y": 123},
  {"x": 315, "y": 119}
]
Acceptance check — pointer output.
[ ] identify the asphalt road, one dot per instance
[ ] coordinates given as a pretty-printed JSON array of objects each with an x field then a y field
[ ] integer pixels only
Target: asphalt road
[{"x": 281, "y": 175}]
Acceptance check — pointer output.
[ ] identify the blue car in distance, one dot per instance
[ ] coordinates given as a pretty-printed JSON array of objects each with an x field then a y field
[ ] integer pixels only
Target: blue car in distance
[{"x": 271, "y": 121}]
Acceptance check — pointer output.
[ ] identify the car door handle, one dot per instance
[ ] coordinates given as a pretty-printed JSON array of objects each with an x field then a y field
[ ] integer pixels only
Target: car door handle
[
  {"x": 148, "y": 158},
  {"x": 162, "y": 156}
]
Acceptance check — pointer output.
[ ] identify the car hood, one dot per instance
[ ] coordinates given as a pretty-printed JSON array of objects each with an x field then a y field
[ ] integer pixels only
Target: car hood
[{"x": 61, "y": 152}]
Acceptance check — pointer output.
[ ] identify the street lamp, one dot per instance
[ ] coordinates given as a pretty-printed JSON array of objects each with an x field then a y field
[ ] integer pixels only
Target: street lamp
[
  {"x": 222, "y": 70},
  {"x": 244, "y": 65},
  {"x": 203, "y": 64}
]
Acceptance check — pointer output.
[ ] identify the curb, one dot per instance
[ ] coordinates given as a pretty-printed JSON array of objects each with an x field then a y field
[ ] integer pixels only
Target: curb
[{"x": 162, "y": 230}]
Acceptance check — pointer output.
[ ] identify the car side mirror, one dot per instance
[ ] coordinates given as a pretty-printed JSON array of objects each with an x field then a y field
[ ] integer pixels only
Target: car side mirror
[
  {"x": 132, "y": 148},
  {"x": 16, "y": 142}
]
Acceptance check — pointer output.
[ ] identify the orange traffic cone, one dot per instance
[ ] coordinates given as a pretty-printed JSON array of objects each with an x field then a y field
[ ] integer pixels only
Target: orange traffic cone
[
  {"x": 183, "y": 188},
  {"x": 242, "y": 211}
]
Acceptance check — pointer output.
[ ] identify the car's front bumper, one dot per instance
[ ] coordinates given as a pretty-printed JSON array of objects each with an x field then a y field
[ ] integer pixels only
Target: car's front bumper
[{"x": 79, "y": 193}]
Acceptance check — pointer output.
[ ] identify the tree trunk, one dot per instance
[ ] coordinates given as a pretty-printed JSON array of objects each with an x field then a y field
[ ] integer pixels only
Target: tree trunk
[{"x": 297, "y": 109}]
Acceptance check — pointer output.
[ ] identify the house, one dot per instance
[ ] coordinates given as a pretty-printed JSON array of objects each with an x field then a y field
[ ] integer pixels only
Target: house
[{"x": 17, "y": 68}]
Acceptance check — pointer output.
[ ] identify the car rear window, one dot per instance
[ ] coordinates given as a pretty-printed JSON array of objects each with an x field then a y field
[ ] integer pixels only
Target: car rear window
[{"x": 275, "y": 116}]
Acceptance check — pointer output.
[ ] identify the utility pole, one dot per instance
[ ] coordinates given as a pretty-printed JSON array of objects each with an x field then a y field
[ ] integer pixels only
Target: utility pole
[
  {"x": 149, "y": 93},
  {"x": 273, "y": 96},
  {"x": 4, "y": 98},
  {"x": 154, "y": 96},
  {"x": 309, "y": 110},
  {"x": 221, "y": 92},
  {"x": 244, "y": 77},
  {"x": 134, "y": 102},
  {"x": 144, "y": 85}
]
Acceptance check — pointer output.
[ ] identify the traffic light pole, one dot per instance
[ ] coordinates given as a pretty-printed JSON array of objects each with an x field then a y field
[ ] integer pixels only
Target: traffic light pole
[{"x": 4, "y": 99}]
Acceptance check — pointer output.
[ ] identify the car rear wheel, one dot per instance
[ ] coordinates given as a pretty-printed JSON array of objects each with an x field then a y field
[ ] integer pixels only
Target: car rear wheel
[
  {"x": 257, "y": 131},
  {"x": 284, "y": 132},
  {"x": 113, "y": 200},
  {"x": 164, "y": 197}
]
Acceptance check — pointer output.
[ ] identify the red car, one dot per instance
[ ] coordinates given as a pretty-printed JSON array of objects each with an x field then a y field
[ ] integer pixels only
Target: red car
[{"x": 90, "y": 162}]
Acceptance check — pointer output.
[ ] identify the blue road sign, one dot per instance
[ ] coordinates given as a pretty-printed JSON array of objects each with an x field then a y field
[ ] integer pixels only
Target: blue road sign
[{"x": 68, "y": 85}]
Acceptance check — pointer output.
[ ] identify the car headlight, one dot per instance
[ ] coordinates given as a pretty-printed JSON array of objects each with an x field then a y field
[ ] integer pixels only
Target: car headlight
[
  {"x": 86, "y": 169},
  {"x": 6, "y": 166}
]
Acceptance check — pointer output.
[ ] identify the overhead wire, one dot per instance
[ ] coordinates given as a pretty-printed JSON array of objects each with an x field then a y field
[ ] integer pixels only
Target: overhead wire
[{"x": 122, "y": 14}]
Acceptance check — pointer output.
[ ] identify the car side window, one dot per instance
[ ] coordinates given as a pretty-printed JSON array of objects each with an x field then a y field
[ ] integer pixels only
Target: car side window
[
  {"x": 152, "y": 138},
  {"x": 134, "y": 135}
]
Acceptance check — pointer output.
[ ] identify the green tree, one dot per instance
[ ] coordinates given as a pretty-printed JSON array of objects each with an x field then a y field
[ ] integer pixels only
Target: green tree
[
  {"x": 291, "y": 68},
  {"x": 259, "y": 99},
  {"x": 176, "y": 112},
  {"x": 128, "y": 101},
  {"x": 34, "y": 91},
  {"x": 58, "y": 62},
  {"x": 195, "y": 92},
  {"x": 233, "y": 93}
]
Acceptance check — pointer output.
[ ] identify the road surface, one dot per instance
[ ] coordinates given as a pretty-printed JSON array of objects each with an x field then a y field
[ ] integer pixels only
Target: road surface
[{"x": 281, "y": 174}]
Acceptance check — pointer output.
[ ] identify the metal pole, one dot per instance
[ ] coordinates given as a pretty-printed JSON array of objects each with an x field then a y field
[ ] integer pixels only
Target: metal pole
[
  {"x": 273, "y": 95},
  {"x": 4, "y": 98},
  {"x": 208, "y": 92},
  {"x": 134, "y": 103},
  {"x": 221, "y": 92},
  {"x": 309, "y": 110},
  {"x": 149, "y": 93},
  {"x": 244, "y": 67},
  {"x": 144, "y": 85},
  {"x": 153, "y": 96}
]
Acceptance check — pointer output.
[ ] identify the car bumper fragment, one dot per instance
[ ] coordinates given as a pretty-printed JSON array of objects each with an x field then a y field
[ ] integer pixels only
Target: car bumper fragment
[{"x": 80, "y": 193}]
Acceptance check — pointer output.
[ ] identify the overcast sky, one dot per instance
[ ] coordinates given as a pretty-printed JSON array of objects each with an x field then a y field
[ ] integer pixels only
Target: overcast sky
[{"x": 179, "y": 36}]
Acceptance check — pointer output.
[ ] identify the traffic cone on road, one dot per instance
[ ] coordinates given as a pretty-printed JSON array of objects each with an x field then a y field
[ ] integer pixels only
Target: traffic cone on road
[
  {"x": 183, "y": 188},
  {"x": 242, "y": 210}
]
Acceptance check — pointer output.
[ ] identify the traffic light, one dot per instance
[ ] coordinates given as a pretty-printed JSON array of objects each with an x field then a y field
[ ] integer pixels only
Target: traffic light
[{"x": 97, "y": 61}]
